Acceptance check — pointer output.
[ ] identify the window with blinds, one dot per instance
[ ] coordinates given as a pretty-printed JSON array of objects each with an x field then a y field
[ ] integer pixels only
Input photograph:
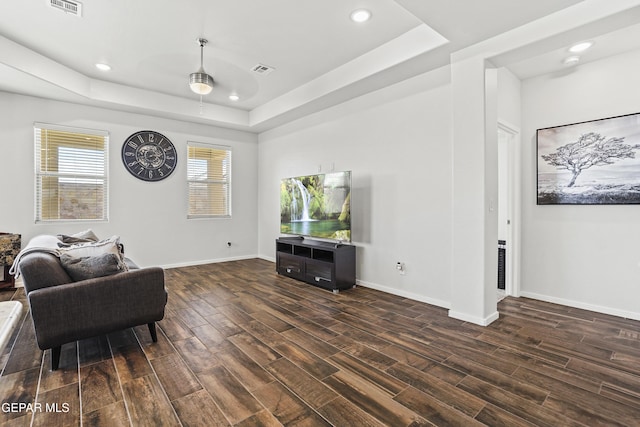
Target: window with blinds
[
  {"x": 209, "y": 180},
  {"x": 71, "y": 173}
]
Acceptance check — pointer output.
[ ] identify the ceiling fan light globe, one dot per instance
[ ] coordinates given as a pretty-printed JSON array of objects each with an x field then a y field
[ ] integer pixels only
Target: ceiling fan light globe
[{"x": 201, "y": 83}]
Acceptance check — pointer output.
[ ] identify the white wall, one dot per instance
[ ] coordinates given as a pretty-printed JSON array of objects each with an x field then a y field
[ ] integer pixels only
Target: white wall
[
  {"x": 151, "y": 218},
  {"x": 397, "y": 143},
  {"x": 509, "y": 100},
  {"x": 584, "y": 256}
]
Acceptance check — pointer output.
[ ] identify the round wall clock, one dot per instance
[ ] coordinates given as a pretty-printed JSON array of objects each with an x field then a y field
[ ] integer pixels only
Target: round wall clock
[{"x": 149, "y": 155}]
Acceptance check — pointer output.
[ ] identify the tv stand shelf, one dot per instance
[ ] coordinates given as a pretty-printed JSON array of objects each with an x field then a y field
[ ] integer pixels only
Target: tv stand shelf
[{"x": 328, "y": 265}]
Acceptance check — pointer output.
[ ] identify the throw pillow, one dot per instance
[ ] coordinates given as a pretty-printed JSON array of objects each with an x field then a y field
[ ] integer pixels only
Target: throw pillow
[
  {"x": 111, "y": 245},
  {"x": 89, "y": 267},
  {"x": 81, "y": 237}
]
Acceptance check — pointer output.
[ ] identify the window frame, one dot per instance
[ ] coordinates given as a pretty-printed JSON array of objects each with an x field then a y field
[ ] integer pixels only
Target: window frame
[
  {"x": 228, "y": 181},
  {"x": 41, "y": 172}
]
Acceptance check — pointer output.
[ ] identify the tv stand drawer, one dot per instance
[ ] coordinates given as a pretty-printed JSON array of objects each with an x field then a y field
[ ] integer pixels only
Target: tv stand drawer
[
  {"x": 291, "y": 266},
  {"x": 319, "y": 273}
]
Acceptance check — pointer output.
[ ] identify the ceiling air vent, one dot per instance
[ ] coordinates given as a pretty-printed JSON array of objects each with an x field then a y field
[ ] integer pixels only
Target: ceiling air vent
[
  {"x": 71, "y": 7},
  {"x": 262, "y": 69}
]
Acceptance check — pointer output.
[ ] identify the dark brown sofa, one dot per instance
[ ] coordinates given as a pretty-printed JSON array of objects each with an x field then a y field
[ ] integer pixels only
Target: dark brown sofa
[{"x": 65, "y": 311}]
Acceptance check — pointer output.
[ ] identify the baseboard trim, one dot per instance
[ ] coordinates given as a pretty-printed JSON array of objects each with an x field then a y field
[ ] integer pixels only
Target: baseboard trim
[
  {"x": 473, "y": 319},
  {"x": 404, "y": 294},
  {"x": 266, "y": 258},
  {"x": 584, "y": 306},
  {"x": 208, "y": 261}
]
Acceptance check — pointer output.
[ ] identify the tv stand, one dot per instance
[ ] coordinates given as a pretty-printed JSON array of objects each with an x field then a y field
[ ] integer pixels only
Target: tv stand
[{"x": 328, "y": 265}]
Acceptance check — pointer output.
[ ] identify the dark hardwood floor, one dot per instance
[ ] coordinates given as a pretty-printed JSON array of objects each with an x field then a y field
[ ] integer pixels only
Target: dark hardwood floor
[{"x": 243, "y": 346}]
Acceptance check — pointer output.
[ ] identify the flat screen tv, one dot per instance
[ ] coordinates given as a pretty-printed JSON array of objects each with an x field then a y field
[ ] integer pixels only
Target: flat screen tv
[{"x": 317, "y": 206}]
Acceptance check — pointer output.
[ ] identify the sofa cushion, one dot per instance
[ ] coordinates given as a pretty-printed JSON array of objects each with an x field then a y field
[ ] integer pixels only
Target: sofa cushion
[{"x": 88, "y": 267}]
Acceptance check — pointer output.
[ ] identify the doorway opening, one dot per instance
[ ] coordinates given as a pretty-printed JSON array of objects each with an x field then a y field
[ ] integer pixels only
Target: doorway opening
[{"x": 508, "y": 210}]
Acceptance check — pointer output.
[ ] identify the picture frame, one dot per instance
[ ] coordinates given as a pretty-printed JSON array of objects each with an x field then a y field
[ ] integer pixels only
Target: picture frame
[{"x": 594, "y": 162}]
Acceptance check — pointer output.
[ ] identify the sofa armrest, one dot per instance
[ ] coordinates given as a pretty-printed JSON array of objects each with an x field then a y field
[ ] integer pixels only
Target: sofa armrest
[
  {"x": 42, "y": 270},
  {"x": 78, "y": 310}
]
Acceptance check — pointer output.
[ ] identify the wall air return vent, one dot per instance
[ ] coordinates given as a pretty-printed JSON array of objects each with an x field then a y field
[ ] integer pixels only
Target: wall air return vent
[
  {"x": 68, "y": 6},
  {"x": 262, "y": 69}
]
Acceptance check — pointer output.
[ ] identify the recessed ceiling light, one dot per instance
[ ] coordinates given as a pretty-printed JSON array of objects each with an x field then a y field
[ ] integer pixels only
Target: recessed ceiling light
[
  {"x": 580, "y": 47},
  {"x": 571, "y": 60},
  {"x": 360, "y": 15},
  {"x": 103, "y": 67},
  {"x": 234, "y": 97}
]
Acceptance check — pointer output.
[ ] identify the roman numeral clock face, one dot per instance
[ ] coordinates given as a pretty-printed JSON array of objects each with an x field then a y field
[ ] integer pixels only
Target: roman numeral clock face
[{"x": 149, "y": 155}]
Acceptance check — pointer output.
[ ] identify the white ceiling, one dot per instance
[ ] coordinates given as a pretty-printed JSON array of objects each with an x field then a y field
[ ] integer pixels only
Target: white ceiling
[{"x": 320, "y": 57}]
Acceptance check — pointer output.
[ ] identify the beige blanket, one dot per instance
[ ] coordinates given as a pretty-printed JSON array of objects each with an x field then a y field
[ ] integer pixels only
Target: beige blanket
[{"x": 43, "y": 243}]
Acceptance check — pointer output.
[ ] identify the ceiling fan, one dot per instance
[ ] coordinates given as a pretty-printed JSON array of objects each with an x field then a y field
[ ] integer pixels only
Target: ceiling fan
[{"x": 200, "y": 82}]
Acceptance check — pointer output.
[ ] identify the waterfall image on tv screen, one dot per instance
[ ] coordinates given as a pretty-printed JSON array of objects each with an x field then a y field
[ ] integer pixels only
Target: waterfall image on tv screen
[{"x": 317, "y": 206}]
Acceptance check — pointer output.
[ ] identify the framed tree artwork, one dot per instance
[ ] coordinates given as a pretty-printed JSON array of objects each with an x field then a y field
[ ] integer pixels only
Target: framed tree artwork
[{"x": 590, "y": 163}]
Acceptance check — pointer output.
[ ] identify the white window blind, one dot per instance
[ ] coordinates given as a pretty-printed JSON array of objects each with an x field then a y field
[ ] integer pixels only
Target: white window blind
[
  {"x": 71, "y": 167},
  {"x": 209, "y": 180}
]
